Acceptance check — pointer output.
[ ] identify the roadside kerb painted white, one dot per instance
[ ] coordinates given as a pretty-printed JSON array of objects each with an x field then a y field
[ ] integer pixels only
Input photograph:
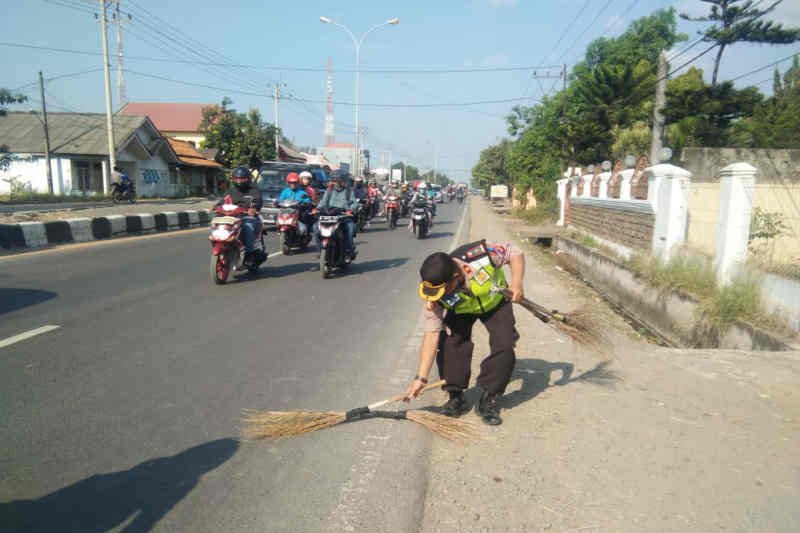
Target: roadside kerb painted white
[
  {"x": 34, "y": 233},
  {"x": 118, "y": 224},
  {"x": 26, "y": 335},
  {"x": 194, "y": 219},
  {"x": 148, "y": 222},
  {"x": 81, "y": 229},
  {"x": 172, "y": 219}
]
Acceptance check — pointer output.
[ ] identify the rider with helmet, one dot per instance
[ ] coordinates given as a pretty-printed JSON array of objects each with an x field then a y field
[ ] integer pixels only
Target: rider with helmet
[
  {"x": 293, "y": 191},
  {"x": 305, "y": 179},
  {"x": 340, "y": 196},
  {"x": 245, "y": 195}
]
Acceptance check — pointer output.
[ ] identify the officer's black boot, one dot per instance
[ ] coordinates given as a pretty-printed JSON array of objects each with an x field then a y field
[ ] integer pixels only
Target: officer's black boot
[
  {"x": 488, "y": 409},
  {"x": 455, "y": 406}
]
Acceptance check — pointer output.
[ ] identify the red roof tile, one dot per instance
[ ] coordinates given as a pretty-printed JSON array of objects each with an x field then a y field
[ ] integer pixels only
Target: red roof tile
[
  {"x": 169, "y": 116},
  {"x": 189, "y": 155}
]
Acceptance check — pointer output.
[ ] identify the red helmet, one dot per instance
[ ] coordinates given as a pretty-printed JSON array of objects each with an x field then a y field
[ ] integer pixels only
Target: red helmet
[{"x": 292, "y": 178}]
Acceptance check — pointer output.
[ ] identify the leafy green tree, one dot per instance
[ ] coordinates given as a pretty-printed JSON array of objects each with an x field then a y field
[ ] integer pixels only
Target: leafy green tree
[
  {"x": 704, "y": 113},
  {"x": 491, "y": 167},
  {"x": 410, "y": 172},
  {"x": 519, "y": 119},
  {"x": 241, "y": 138},
  {"x": 7, "y": 98},
  {"x": 740, "y": 21}
]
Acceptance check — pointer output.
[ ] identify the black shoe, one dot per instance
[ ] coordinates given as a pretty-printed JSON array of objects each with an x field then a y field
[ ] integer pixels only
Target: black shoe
[
  {"x": 455, "y": 406},
  {"x": 488, "y": 409}
]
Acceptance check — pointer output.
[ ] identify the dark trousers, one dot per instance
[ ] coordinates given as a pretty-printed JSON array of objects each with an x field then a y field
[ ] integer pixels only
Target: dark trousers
[{"x": 455, "y": 350}]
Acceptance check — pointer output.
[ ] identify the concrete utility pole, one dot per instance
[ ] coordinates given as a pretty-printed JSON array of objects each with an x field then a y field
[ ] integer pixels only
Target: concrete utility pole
[
  {"x": 112, "y": 156},
  {"x": 46, "y": 136},
  {"x": 658, "y": 117},
  {"x": 276, "y": 97},
  {"x": 121, "y": 97}
]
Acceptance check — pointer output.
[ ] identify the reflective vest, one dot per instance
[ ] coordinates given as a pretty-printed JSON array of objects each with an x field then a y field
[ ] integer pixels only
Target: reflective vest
[{"x": 484, "y": 287}]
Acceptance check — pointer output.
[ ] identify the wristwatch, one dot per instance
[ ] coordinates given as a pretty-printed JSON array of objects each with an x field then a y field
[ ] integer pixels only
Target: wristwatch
[{"x": 422, "y": 380}]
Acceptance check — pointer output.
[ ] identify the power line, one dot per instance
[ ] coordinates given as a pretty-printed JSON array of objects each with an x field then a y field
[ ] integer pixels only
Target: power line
[
  {"x": 211, "y": 63},
  {"x": 765, "y": 67},
  {"x": 590, "y": 26},
  {"x": 569, "y": 26}
]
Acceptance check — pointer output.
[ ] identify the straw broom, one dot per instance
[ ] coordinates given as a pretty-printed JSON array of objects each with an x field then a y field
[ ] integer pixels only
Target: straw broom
[
  {"x": 577, "y": 325},
  {"x": 274, "y": 425}
]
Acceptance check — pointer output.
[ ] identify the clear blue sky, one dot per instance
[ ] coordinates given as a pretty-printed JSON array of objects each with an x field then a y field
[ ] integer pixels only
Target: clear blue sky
[{"x": 431, "y": 35}]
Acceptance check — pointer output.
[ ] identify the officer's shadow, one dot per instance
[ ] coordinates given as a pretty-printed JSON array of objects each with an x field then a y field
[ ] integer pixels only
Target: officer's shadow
[
  {"x": 140, "y": 496},
  {"x": 537, "y": 374}
]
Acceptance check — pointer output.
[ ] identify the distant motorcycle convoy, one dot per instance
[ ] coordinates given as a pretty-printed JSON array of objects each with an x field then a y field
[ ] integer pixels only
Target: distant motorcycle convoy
[{"x": 298, "y": 219}]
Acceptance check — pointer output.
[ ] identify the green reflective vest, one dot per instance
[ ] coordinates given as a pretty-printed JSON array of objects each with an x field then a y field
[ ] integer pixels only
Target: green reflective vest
[{"x": 483, "y": 294}]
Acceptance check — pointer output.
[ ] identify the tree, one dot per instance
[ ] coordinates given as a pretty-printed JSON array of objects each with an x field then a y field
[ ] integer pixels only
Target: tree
[
  {"x": 739, "y": 21},
  {"x": 241, "y": 138},
  {"x": 410, "y": 172},
  {"x": 491, "y": 167},
  {"x": 7, "y": 98},
  {"x": 704, "y": 114},
  {"x": 519, "y": 119}
]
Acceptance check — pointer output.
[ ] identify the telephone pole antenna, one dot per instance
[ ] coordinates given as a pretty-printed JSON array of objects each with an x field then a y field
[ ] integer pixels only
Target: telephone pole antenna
[{"x": 121, "y": 96}]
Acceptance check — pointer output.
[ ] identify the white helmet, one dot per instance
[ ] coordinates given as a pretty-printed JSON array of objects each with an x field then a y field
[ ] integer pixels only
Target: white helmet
[
  {"x": 358, "y": 179},
  {"x": 305, "y": 175}
]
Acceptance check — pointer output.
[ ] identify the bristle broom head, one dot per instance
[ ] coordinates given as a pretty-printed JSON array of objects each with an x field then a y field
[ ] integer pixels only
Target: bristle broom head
[{"x": 273, "y": 425}]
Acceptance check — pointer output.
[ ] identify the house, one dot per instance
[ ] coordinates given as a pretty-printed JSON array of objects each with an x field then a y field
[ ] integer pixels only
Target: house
[
  {"x": 176, "y": 120},
  {"x": 339, "y": 154},
  {"x": 79, "y": 154},
  {"x": 287, "y": 154},
  {"x": 194, "y": 169}
]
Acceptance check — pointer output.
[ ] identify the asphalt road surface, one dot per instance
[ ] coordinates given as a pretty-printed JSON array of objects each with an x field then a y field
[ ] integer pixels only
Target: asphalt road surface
[{"x": 125, "y": 417}]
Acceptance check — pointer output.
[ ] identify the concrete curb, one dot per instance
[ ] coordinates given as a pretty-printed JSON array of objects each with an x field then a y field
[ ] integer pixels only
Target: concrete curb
[{"x": 37, "y": 234}]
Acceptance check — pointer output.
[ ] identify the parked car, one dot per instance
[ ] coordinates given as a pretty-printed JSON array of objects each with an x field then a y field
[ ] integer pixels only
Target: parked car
[
  {"x": 438, "y": 196},
  {"x": 272, "y": 180}
]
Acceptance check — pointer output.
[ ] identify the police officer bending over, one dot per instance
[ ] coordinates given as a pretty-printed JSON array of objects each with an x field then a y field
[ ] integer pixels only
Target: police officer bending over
[{"x": 460, "y": 288}]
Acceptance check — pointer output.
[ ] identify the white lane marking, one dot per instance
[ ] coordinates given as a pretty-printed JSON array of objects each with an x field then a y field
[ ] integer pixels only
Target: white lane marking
[
  {"x": 454, "y": 244},
  {"x": 26, "y": 335},
  {"x": 275, "y": 254}
]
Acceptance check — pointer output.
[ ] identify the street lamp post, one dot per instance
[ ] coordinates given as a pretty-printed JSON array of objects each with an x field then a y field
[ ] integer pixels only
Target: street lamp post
[{"x": 358, "y": 42}]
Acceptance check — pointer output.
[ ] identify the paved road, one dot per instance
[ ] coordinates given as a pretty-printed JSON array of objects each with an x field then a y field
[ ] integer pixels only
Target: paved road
[{"x": 125, "y": 418}]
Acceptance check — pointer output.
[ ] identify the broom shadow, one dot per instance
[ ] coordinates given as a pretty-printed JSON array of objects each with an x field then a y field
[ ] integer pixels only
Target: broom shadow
[{"x": 142, "y": 495}]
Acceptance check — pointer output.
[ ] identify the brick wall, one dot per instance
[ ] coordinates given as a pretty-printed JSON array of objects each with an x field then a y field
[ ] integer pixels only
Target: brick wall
[{"x": 628, "y": 228}]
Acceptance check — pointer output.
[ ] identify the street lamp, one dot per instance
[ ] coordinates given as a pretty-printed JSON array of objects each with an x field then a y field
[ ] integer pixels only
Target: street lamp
[{"x": 358, "y": 42}]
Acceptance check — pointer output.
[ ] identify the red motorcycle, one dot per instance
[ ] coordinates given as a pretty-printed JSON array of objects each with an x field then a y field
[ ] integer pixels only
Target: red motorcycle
[
  {"x": 228, "y": 253},
  {"x": 295, "y": 235},
  {"x": 392, "y": 210}
]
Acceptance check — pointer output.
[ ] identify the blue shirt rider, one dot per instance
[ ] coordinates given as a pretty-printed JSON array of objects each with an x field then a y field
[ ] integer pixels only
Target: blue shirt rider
[{"x": 294, "y": 191}]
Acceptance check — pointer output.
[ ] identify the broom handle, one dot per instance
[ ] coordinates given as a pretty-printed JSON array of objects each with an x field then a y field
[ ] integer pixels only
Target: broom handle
[
  {"x": 540, "y": 312},
  {"x": 399, "y": 397}
]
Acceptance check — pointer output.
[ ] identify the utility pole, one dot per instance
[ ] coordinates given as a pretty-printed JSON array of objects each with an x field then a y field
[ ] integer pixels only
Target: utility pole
[
  {"x": 46, "y": 136},
  {"x": 112, "y": 156},
  {"x": 563, "y": 114},
  {"x": 121, "y": 97},
  {"x": 276, "y": 97},
  {"x": 658, "y": 116}
]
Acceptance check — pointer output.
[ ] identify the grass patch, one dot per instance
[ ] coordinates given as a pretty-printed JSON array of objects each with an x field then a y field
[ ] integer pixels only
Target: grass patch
[
  {"x": 785, "y": 269},
  {"x": 683, "y": 273},
  {"x": 539, "y": 215}
]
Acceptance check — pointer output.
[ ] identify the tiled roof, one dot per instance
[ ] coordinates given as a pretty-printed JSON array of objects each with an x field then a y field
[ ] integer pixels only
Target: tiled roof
[
  {"x": 70, "y": 133},
  {"x": 169, "y": 116},
  {"x": 188, "y": 154}
]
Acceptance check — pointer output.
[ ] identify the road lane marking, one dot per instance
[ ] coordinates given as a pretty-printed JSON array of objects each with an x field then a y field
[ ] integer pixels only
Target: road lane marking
[
  {"x": 274, "y": 254},
  {"x": 26, "y": 335}
]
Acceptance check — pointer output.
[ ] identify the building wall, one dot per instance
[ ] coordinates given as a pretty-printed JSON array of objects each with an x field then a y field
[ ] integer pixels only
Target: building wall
[
  {"x": 31, "y": 169},
  {"x": 338, "y": 155},
  {"x": 628, "y": 228}
]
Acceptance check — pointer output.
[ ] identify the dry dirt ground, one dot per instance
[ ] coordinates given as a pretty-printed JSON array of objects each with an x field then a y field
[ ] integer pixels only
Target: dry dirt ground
[{"x": 639, "y": 439}]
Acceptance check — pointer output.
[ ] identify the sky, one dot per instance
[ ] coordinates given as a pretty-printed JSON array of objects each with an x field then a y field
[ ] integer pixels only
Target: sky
[{"x": 266, "y": 40}]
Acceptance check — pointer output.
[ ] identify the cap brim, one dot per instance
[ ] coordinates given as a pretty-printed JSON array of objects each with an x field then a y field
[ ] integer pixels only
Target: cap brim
[{"x": 430, "y": 292}]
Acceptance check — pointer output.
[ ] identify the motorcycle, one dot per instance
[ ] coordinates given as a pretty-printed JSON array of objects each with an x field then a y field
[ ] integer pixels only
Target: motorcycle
[
  {"x": 331, "y": 241},
  {"x": 362, "y": 215},
  {"x": 392, "y": 210},
  {"x": 404, "y": 206},
  {"x": 123, "y": 192},
  {"x": 295, "y": 235},
  {"x": 228, "y": 252},
  {"x": 420, "y": 219}
]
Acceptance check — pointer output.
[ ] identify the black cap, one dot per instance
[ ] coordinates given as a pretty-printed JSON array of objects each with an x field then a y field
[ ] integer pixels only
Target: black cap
[{"x": 436, "y": 271}]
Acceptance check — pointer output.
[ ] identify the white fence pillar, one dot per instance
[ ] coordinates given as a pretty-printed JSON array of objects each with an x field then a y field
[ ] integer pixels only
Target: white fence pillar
[
  {"x": 562, "y": 200},
  {"x": 603, "y": 192},
  {"x": 625, "y": 186},
  {"x": 737, "y": 182},
  {"x": 670, "y": 203}
]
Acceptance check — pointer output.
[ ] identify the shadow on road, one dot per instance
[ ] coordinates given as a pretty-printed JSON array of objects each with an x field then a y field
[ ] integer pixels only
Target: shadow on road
[
  {"x": 276, "y": 271},
  {"x": 536, "y": 375},
  {"x": 439, "y": 234},
  {"x": 14, "y": 299},
  {"x": 142, "y": 495}
]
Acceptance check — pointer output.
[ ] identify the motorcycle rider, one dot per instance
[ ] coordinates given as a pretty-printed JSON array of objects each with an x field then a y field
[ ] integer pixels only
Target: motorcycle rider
[
  {"x": 124, "y": 181},
  {"x": 245, "y": 195},
  {"x": 340, "y": 196},
  {"x": 305, "y": 178},
  {"x": 374, "y": 195},
  {"x": 293, "y": 191},
  {"x": 420, "y": 196}
]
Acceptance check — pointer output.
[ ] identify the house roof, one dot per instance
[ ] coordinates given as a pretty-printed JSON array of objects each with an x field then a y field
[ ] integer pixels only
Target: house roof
[
  {"x": 169, "y": 116},
  {"x": 70, "y": 133},
  {"x": 188, "y": 154},
  {"x": 285, "y": 153}
]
